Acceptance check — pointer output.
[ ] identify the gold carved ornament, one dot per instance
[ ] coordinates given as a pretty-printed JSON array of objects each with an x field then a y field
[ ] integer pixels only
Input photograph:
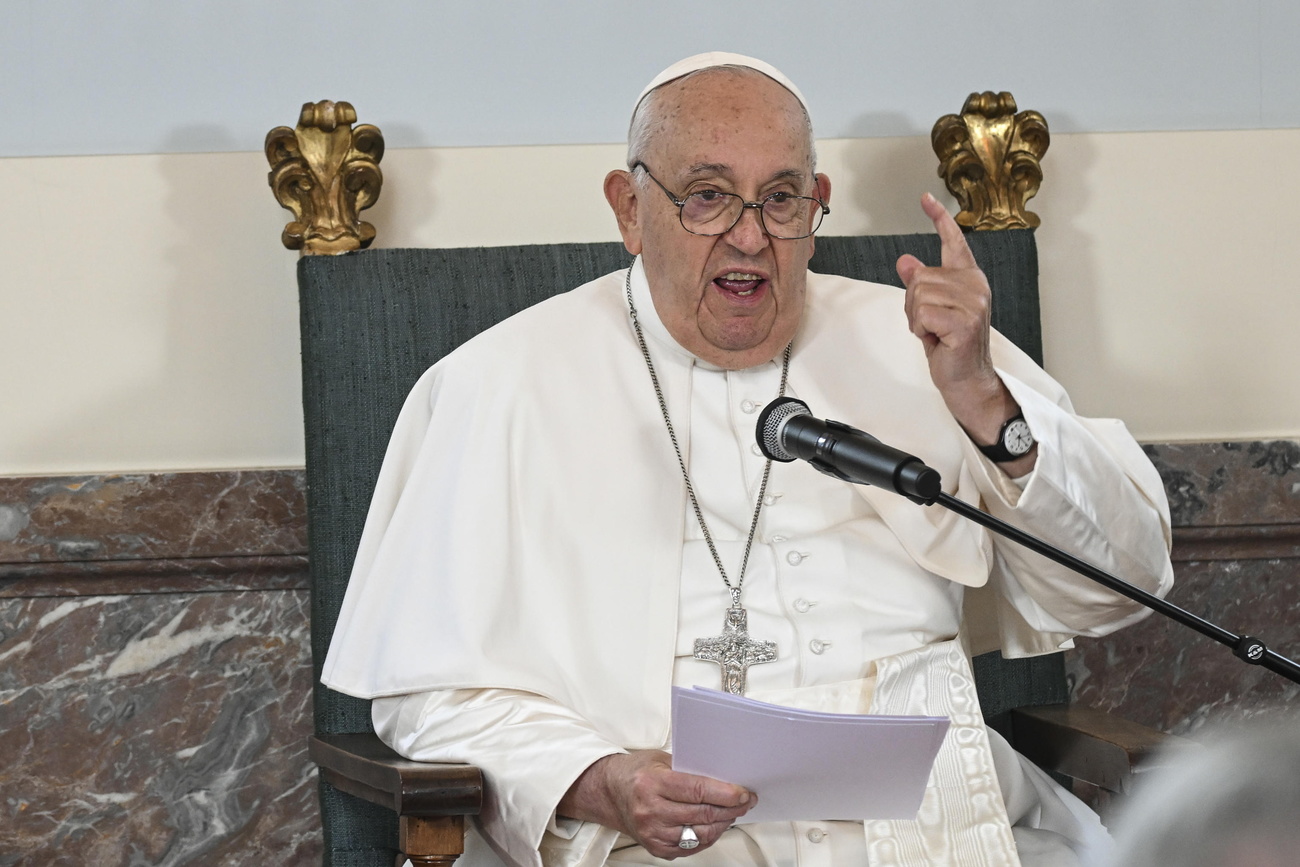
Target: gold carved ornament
[
  {"x": 326, "y": 172},
  {"x": 989, "y": 158}
]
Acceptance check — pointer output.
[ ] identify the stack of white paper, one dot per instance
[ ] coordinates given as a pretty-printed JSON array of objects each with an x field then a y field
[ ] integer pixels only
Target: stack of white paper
[{"x": 806, "y": 765}]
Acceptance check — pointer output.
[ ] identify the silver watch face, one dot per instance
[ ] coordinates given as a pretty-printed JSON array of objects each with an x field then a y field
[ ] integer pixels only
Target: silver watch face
[{"x": 1017, "y": 439}]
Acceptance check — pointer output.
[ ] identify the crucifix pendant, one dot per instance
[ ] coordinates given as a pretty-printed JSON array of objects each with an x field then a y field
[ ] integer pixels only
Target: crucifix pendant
[{"x": 734, "y": 650}]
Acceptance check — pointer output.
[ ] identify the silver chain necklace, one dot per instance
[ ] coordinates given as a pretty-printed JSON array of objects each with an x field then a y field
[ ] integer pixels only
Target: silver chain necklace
[{"x": 733, "y": 650}]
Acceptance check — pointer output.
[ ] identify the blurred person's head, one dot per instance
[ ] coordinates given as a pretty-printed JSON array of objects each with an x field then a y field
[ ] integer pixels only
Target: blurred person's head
[{"x": 1234, "y": 804}]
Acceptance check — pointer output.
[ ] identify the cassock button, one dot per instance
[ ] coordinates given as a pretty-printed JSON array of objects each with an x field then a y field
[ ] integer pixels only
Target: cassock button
[
  {"x": 756, "y": 450},
  {"x": 794, "y": 558},
  {"x": 748, "y": 406},
  {"x": 778, "y": 538},
  {"x": 818, "y": 646},
  {"x": 770, "y": 499},
  {"x": 816, "y": 835},
  {"x": 802, "y": 606}
]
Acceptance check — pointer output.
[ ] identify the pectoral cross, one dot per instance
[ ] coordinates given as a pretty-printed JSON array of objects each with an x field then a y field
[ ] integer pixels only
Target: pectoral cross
[{"x": 734, "y": 650}]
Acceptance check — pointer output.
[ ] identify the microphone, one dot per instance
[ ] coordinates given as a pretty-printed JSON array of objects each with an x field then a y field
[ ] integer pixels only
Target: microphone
[{"x": 787, "y": 430}]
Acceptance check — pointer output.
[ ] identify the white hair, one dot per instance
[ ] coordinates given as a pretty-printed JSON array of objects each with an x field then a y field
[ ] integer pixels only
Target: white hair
[{"x": 1235, "y": 802}]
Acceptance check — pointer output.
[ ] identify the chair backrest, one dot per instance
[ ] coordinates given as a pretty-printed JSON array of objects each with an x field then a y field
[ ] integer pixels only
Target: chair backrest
[
  {"x": 1009, "y": 259},
  {"x": 373, "y": 321}
]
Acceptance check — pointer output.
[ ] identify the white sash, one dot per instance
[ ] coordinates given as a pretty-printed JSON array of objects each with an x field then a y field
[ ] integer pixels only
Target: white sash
[{"x": 963, "y": 818}]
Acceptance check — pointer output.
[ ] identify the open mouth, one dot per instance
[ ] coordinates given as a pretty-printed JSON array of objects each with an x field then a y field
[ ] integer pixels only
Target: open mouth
[{"x": 742, "y": 284}]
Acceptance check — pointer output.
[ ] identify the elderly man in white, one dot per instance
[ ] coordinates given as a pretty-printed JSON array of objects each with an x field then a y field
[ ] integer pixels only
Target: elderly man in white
[{"x": 608, "y": 508}]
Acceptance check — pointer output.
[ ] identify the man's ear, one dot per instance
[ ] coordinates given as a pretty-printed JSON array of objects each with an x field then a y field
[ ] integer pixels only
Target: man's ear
[
  {"x": 824, "y": 193},
  {"x": 621, "y": 193},
  {"x": 823, "y": 188}
]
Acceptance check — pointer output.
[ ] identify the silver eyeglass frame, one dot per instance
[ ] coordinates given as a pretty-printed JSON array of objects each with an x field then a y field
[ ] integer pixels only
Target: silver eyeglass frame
[{"x": 758, "y": 206}]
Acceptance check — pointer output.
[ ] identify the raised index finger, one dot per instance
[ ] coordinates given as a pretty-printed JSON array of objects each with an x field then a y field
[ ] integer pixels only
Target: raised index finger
[{"x": 954, "y": 251}]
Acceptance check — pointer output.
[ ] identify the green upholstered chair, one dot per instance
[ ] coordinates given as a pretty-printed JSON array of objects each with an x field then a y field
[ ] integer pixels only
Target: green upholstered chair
[{"x": 372, "y": 322}]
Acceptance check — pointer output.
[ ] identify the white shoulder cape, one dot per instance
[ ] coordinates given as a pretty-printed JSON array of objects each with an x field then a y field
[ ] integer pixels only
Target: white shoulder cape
[{"x": 527, "y": 525}]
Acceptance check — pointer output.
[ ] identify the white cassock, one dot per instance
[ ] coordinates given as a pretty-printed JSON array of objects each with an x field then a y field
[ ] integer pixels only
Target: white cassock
[{"x": 531, "y": 580}]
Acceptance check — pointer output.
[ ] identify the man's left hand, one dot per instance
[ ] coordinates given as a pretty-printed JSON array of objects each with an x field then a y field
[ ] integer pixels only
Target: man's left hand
[{"x": 949, "y": 308}]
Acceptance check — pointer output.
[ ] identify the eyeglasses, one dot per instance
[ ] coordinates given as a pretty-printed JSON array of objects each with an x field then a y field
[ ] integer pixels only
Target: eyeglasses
[{"x": 713, "y": 212}]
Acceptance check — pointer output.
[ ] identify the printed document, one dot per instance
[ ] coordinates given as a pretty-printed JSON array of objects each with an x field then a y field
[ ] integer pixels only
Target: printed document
[{"x": 806, "y": 765}]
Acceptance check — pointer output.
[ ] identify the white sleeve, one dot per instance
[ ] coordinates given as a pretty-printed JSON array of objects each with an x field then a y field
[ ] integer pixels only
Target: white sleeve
[
  {"x": 1092, "y": 492},
  {"x": 530, "y": 751}
]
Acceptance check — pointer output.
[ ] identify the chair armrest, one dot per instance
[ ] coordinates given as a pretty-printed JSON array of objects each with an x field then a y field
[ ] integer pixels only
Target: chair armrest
[
  {"x": 1085, "y": 744},
  {"x": 362, "y": 765}
]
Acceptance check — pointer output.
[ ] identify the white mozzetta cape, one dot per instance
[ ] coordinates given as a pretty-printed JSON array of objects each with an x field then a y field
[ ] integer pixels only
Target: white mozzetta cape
[{"x": 527, "y": 527}]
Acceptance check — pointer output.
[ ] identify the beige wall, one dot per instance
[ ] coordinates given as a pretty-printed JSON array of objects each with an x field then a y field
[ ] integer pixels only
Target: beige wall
[{"x": 148, "y": 312}]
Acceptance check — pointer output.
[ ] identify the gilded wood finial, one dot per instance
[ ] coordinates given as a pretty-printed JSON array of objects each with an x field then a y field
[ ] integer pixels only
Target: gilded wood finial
[
  {"x": 326, "y": 172},
  {"x": 989, "y": 158}
]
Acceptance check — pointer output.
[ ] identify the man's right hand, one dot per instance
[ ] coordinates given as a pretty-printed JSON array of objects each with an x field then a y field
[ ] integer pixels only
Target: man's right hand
[{"x": 641, "y": 795}]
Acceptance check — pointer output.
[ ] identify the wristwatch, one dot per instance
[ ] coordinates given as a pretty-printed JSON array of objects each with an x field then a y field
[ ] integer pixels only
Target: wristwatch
[{"x": 1014, "y": 441}]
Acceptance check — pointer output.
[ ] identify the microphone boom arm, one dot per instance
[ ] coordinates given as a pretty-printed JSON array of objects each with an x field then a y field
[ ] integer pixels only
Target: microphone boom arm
[
  {"x": 1245, "y": 647},
  {"x": 787, "y": 430}
]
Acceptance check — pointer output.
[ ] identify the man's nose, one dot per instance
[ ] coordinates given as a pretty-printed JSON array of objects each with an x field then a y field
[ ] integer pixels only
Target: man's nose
[{"x": 748, "y": 235}]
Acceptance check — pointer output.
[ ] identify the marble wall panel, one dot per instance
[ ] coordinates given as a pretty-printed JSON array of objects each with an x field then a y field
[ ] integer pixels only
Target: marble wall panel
[
  {"x": 152, "y": 532},
  {"x": 1230, "y": 484},
  {"x": 155, "y": 671},
  {"x": 1236, "y": 513},
  {"x": 159, "y": 729}
]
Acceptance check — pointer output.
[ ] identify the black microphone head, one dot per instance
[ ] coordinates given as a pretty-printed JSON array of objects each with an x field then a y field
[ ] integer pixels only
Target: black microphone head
[{"x": 770, "y": 422}]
